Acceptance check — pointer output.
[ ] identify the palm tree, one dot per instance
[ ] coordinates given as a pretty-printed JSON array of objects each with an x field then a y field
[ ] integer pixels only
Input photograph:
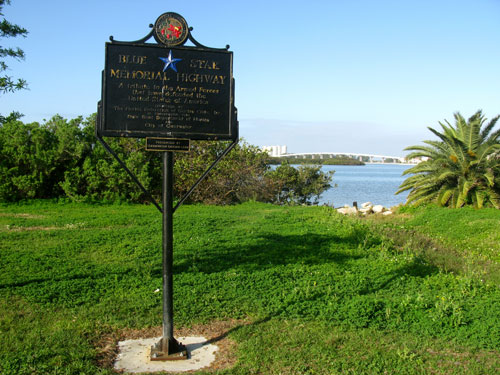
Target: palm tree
[{"x": 461, "y": 168}]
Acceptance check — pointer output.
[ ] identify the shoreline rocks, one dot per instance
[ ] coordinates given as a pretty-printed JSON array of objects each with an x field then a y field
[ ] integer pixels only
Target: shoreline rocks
[{"x": 367, "y": 208}]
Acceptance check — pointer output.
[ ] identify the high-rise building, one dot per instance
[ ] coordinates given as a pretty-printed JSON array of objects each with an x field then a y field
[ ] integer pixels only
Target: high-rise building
[{"x": 275, "y": 151}]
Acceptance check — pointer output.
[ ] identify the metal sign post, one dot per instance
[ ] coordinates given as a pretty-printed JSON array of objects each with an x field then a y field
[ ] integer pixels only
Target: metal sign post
[
  {"x": 168, "y": 348},
  {"x": 169, "y": 94},
  {"x": 167, "y": 252}
]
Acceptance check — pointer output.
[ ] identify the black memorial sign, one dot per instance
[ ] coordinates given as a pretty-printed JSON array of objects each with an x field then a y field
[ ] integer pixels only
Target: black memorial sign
[
  {"x": 174, "y": 92},
  {"x": 168, "y": 94}
]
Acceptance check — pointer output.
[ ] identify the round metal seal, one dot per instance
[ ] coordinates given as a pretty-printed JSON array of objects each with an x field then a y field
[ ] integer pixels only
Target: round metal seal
[{"x": 171, "y": 29}]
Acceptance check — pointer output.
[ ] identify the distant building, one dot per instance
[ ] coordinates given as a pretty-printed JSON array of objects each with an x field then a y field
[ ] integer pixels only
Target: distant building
[
  {"x": 416, "y": 160},
  {"x": 275, "y": 151}
]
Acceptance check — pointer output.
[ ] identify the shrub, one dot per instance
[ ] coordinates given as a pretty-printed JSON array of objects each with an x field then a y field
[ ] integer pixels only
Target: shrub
[{"x": 63, "y": 158}]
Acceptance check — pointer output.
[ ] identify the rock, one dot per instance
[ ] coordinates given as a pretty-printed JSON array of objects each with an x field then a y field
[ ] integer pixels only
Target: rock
[
  {"x": 366, "y": 210},
  {"x": 352, "y": 211},
  {"x": 347, "y": 210},
  {"x": 342, "y": 210}
]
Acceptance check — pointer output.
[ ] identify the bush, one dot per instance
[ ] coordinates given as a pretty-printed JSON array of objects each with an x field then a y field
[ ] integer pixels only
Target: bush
[
  {"x": 302, "y": 185},
  {"x": 34, "y": 157},
  {"x": 63, "y": 158}
]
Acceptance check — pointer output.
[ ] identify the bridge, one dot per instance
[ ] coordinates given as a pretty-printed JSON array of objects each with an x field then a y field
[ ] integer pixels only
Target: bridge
[{"x": 367, "y": 158}]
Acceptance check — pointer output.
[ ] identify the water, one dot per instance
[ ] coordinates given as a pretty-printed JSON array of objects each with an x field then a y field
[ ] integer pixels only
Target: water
[{"x": 374, "y": 183}]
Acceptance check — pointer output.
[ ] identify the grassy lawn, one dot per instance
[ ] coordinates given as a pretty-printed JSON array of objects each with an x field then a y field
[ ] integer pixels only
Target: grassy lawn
[
  {"x": 461, "y": 240},
  {"x": 318, "y": 293}
]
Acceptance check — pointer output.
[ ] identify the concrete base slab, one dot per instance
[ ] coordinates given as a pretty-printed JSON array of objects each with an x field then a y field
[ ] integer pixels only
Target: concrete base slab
[{"x": 133, "y": 356}]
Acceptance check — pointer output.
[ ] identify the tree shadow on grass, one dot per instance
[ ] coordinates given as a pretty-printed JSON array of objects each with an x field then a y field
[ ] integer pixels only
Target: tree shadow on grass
[
  {"x": 311, "y": 249},
  {"x": 416, "y": 268},
  {"x": 225, "y": 334},
  {"x": 270, "y": 251}
]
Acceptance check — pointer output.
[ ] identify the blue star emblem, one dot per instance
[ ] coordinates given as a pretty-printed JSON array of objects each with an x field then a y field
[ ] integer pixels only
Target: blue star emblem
[{"x": 169, "y": 62}]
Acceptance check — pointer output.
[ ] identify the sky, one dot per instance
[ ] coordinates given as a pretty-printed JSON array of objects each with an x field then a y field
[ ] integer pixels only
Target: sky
[{"x": 357, "y": 76}]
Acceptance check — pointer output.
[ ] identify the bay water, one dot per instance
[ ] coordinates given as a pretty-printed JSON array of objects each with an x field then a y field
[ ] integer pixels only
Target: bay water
[{"x": 376, "y": 183}]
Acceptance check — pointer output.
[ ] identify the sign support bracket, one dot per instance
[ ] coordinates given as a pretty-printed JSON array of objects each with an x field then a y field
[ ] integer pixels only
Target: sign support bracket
[
  {"x": 148, "y": 194},
  {"x": 124, "y": 166},
  {"x": 202, "y": 177}
]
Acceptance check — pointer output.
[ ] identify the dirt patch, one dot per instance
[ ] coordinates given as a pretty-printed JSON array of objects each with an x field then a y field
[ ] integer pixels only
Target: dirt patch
[
  {"x": 216, "y": 333},
  {"x": 25, "y": 216},
  {"x": 15, "y": 228},
  {"x": 450, "y": 360},
  {"x": 23, "y": 229}
]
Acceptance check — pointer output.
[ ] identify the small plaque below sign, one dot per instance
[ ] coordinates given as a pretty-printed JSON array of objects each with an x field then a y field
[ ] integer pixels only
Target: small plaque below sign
[{"x": 167, "y": 144}]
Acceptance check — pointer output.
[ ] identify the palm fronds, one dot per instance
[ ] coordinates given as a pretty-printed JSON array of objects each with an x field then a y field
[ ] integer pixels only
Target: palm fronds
[{"x": 462, "y": 167}]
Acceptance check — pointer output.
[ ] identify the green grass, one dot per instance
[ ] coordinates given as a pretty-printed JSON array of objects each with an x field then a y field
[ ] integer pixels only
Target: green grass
[
  {"x": 462, "y": 240},
  {"x": 325, "y": 294},
  {"x": 474, "y": 233}
]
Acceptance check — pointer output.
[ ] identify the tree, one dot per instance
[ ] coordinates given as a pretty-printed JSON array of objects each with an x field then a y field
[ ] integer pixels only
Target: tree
[
  {"x": 461, "y": 168},
  {"x": 7, "y": 30},
  {"x": 302, "y": 185},
  {"x": 239, "y": 176}
]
